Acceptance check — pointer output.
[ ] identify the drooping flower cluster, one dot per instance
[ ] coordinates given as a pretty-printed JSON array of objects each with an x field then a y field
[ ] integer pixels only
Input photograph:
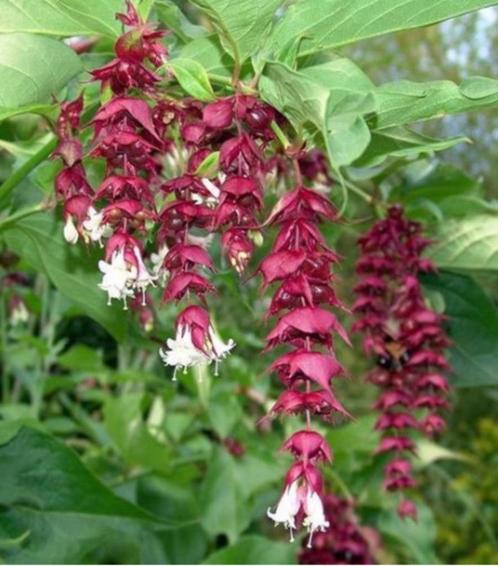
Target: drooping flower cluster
[
  {"x": 406, "y": 337},
  {"x": 346, "y": 541},
  {"x": 133, "y": 134},
  {"x": 300, "y": 261}
]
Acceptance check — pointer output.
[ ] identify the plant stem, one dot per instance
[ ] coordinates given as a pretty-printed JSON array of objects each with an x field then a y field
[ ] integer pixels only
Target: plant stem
[
  {"x": 11, "y": 182},
  {"x": 4, "y": 222},
  {"x": 3, "y": 339}
]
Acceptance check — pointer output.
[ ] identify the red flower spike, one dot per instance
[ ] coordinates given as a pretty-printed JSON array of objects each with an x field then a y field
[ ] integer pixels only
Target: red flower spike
[
  {"x": 405, "y": 334},
  {"x": 183, "y": 256},
  {"x": 218, "y": 115},
  {"x": 186, "y": 281}
]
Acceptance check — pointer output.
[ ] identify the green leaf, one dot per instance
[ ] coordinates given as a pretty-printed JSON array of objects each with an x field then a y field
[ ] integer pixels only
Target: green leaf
[
  {"x": 60, "y": 17},
  {"x": 255, "y": 549},
  {"x": 405, "y": 102},
  {"x": 208, "y": 52},
  {"x": 328, "y": 24},
  {"x": 442, "y": 182},
  {"x": 241, "y": 25},
  {"x": 174, "y": 19},
  {"x": 72, "y": 269},
  {"x": 124, "y": 422},
  {"x": 415, "y": 540},
  {"x": 222, "y": 504},
  {"x": 33, "y": 68},
  {"x": 402, "y": 143},
  {"x": 473, "y": 328},
  {"x": 469, "y": 244},
  {"x": 42, "y": 109},
  {"x": 71, "y": 517},
  {"x": 193, "y": 78},
  {"x": 334, "y": 97}
]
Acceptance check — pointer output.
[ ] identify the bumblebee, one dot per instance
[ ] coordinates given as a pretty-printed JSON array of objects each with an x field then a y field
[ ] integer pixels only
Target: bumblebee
[{"x": 395, "y": 357}]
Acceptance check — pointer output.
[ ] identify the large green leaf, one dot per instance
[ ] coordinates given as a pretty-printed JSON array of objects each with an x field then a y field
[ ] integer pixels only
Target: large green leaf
[
  {"x": 406, "y": 102},
  {"x": 254, "y": 549},
  {"x": 334, "y": 97},
  {"x": 402, "y": 143},
  {"x": 175, "y": 20},
  {"x": 72, "y": 269},
  {"x": 241, "y": 25},
  {"x": 132, "y": 438},
  {"x": 222, "y": 502},
  {"x": 469, "y": 244},
  {"x": 68, "y": 515},
  {"x": 327, "y": 24},
  {"x": 60, "y": 17},
  {"x": 473, "y": 328},
  {"x": 33, "y": 68}
]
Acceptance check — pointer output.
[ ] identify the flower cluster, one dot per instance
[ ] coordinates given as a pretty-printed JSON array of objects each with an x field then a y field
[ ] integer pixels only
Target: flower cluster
[
  {"x": 406, "y": 337},
  {"x": 132, "y": 133},
  {"x": 301, "y": 262},
  {"x": 346, "y": 542}
]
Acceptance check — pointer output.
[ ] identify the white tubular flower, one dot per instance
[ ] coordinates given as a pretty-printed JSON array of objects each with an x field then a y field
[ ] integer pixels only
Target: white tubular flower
[
  {"x": 157, "y": 260},
  {"x": 182, "y": 352},
  {"x": 315, "y": 517},
  {"x": 71, "y": 234},
  {"x": 218, "y": 349},
  {"x": 93, "y": 226},
  {"x": 143, "y": 278},
  {"x": 118, "y": 278},
  {"x": 287, "y": 509}
]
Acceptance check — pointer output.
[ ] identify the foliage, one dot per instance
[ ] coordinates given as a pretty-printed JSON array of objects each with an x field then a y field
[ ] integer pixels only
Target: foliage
[{"x": 102, "y": 457}]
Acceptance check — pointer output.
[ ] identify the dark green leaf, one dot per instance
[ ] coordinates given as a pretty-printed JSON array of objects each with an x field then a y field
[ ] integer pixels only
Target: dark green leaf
[
  {"x": 33, "y": 68},
  {"x": 223, "y": 511},
  {"x": 72, "y": 269},
  {"x": 473, "y": 328},
  {"x": 60, "y": 17},
  {"x": 327, "y": 24},
  {"x": 70, "y": 516}
]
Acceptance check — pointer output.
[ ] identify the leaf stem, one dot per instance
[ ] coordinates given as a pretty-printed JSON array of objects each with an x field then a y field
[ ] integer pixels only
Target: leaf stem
[
  {"x": 4, "y": 222},
  {"x": 282, "y": 138},
  {"x": 11, "y": 182}
]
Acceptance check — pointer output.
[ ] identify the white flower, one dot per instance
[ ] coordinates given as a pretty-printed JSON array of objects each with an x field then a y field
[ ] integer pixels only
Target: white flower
[
  {"x": 287, "y": 508},
  {"x": 315, "y": 517},
  {"x": 211, "y": 187},
  {"x": 218, "y": 350},
  {"x": 93, "y": 226},
  {"x": 157, "y": 260},
  {"x": 71, "y": 234},
  {"x": 182, "y": 351},
  {"x": 143, "y": 278},
  {"x": 118, "y": 278},
  {"x": 19, "y": 314}
]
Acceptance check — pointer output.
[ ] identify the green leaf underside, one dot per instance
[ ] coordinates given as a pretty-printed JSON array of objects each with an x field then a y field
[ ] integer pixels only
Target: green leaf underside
[
  {"x": 72, "y": 269},
  {"x": 473, "y": 328},
  {"x": 33, "y": 68},
  {"x": 61, "y": 17},
  {"x": 467, "y": 244},
  {"x": 328, "y": 24},
  {"x": 241, "y": 25}
]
